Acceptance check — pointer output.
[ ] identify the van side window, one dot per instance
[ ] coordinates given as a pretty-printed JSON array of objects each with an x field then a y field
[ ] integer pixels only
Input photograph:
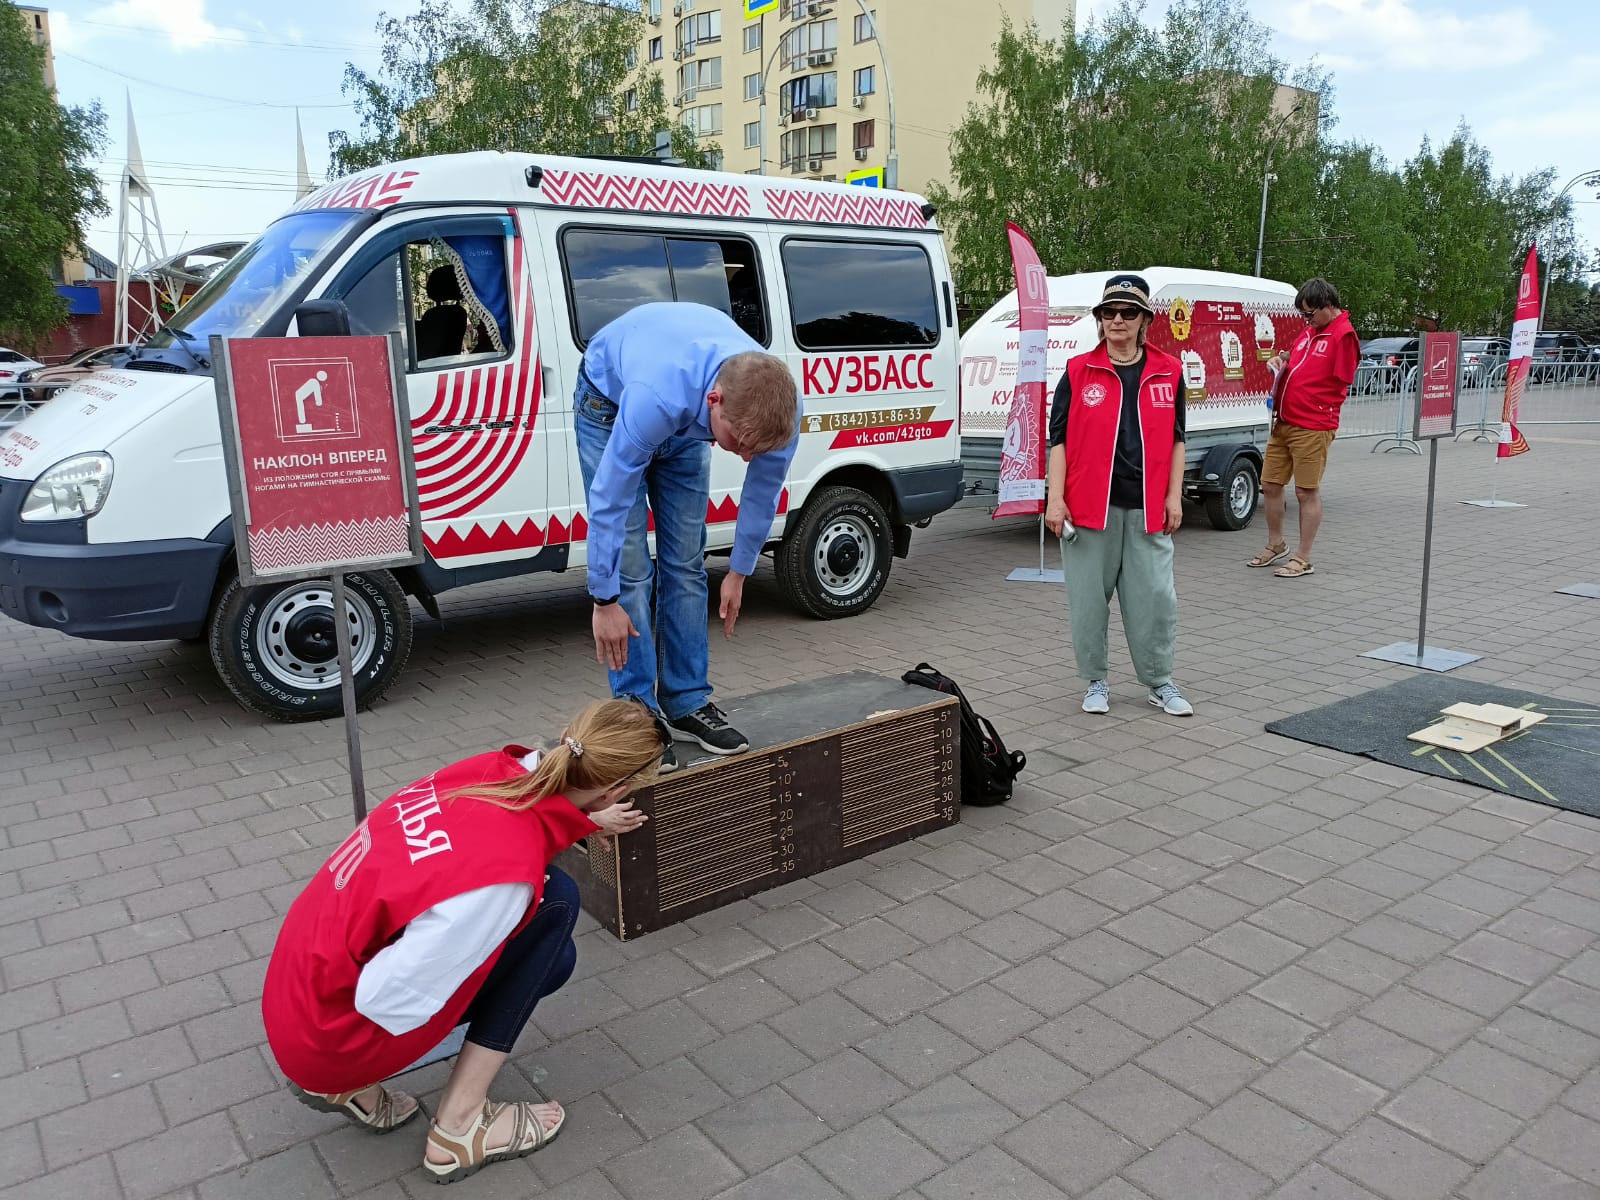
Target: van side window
[
  {"x": 850, "y": 295},
  {"x": 446, "y": 293},
  {"x": 610, "y": 271}
]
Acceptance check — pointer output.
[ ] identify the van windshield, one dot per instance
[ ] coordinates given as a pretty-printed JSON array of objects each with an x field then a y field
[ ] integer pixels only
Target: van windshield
[{"x": 254, "y": 284}]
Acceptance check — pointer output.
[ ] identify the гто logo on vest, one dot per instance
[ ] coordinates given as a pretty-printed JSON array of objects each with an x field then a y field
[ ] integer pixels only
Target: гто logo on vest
[
  {"x": 413, "y": 806},
  {"x": 1094, "y": 394},
  {"x": 1161, "y": 395}
]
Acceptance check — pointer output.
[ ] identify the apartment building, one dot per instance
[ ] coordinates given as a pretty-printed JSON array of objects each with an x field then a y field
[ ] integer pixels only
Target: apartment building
[{"x": 826, "y": 90}]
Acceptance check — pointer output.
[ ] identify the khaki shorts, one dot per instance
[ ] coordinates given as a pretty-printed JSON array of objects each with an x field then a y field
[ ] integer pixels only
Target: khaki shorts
[{"x": 1298, "y": 453}]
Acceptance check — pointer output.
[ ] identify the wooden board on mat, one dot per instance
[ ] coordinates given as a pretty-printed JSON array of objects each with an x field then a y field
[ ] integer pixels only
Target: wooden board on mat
[
  {"x": 838, "y": 768},
  {"x": 1471, "y": 727}
]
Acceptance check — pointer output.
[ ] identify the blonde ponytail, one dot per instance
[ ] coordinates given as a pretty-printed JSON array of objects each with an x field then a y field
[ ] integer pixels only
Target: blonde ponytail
[{"x": 608, "y": 742}]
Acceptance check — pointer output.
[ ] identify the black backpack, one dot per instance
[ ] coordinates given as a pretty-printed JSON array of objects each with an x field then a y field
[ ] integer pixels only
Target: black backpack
[{"x": 987, "y": 767}]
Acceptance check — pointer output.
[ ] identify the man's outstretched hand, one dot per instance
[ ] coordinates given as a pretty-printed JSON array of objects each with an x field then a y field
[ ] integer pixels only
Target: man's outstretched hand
[
  {"x": 732, "y": 601},
  {"x": 612, "y": 629}
]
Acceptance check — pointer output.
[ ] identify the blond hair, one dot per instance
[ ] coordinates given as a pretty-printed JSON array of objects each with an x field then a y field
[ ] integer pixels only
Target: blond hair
[
  {"x": 609, "y": 742},
  {"x": 758, "y": 398}
]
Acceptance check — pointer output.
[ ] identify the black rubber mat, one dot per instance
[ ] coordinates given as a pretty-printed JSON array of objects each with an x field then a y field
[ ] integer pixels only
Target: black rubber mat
[{"x": 1557, "y": 762}]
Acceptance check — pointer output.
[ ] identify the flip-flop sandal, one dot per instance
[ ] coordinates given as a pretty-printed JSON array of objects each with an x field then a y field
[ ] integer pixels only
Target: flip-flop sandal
[
  {"x": 1269, "y": 556},
  {"x": 1294, "y": 568}
]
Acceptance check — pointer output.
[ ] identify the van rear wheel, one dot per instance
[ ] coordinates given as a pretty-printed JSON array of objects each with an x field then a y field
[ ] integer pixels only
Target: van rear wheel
[
  {"x": 836, "y": 561},
  {"x": 275, "y": 646}
]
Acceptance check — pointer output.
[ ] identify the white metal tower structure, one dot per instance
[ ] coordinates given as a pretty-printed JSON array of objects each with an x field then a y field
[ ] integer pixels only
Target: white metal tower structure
[
  {"x": 144, "y": 296},
  {"x": 303, "y": 186}
]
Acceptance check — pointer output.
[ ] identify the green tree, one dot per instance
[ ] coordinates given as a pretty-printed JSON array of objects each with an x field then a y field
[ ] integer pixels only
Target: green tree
[
  {"x": 47, "y": 187},
  {"x": 548, "y": 76},
  {"x": 1125, "y": 145}
]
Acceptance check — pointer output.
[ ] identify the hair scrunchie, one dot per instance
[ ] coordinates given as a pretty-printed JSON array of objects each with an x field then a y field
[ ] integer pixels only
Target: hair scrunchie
[{"x": 574, "y": 745}]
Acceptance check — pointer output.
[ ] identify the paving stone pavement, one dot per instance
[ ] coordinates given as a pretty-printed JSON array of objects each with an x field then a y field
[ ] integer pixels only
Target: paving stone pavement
[{"x": 1190, "y": 959}]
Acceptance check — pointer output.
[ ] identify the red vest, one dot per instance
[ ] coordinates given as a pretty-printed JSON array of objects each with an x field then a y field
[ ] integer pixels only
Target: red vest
[
  {"x": 411, "y": 853},
  {"x": 1322, "y": 366},
  {"x": 1092, "y": 421}
]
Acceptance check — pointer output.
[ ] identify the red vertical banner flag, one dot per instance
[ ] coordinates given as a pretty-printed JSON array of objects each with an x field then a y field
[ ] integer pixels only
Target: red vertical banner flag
[
  {"x": 1022, "y": 456},
  {"x": 1523, "y": 328}
]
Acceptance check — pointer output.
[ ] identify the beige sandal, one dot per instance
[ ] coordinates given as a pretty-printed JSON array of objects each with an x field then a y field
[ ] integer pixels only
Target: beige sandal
[
  {"x": 1294, "y": 568},
  {"x": 470, "y": 1153},
  {"x": 1269, "y": 556},
  {"x": 393, "y": 1109}
]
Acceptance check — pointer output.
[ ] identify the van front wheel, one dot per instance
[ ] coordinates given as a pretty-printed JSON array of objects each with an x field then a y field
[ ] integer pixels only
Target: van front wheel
[
  {"x": 275, "y": 645},
  {"x": 836, "y": 561}
]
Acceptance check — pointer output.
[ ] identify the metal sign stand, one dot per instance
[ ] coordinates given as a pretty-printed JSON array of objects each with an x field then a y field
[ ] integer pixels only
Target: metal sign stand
[
  {"x": 1037, "y": 574},
  {"x": 251, "y": 440},
  {"x": 1438, "y": 380}
]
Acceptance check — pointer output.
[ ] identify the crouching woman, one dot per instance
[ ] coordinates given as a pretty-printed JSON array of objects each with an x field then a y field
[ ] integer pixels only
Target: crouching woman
[{"x": 442, "y": 909}]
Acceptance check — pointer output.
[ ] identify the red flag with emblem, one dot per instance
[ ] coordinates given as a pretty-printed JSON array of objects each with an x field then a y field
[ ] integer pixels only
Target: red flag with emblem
[
  {"x": 1022, "y": 456},
  {"x": 1523, "y": 328}
]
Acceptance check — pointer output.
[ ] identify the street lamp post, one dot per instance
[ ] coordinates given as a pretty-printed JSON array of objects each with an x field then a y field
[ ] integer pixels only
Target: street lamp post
[
  {"x": 1267, "y": 177},
  {"x": 1544, "y": 290},
  {"x": 891, "y": 173}
]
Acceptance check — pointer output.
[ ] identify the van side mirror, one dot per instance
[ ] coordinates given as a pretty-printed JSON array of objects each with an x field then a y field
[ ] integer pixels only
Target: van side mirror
[{"x": 322, "y": 318}]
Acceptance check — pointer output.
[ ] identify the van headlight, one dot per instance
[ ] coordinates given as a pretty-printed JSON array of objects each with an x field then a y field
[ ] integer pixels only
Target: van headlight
[{"x": 74, "y": 488}]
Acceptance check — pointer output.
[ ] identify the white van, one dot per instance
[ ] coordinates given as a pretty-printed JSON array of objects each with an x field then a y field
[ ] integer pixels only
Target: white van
[
  {"x": 1223, "y": 328},
  {"x": 496, "y": 269}
]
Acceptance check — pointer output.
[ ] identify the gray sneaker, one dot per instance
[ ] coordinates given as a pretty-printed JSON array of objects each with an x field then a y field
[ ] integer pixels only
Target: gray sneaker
[
  {"x": 1097, "y": 699},
  {"x": 1169, "y": 700}
]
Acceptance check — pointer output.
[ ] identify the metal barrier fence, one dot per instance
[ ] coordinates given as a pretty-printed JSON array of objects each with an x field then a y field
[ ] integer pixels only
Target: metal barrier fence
[
  {"x": 17, "y": 400},
  {"x": 1382, "y": 401}
]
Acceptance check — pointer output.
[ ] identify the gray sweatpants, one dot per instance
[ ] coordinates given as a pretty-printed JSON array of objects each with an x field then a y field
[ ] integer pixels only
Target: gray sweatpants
[{"x": 1137, "y": 565}]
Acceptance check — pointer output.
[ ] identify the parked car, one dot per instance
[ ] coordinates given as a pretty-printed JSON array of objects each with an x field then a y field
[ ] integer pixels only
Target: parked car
[
  {"x": 44, "y": 382},
  {"x": 1481, "y": 360},
  {"x": 1562, "y": 357},
  {"x": 12, "y": 364},
  {"x": 1384, "y": 363}
]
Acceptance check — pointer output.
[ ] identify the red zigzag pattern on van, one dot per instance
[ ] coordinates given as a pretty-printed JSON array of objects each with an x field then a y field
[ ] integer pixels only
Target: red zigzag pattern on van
[
  {"x": 506, "y": 539},
  {"x": 583, "y": 189},
  {"x": 788, "y": 204}
]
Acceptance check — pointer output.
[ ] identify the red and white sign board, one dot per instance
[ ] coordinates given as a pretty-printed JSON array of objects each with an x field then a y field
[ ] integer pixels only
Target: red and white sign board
[
  {"x": 318, "y": 452},
  {"x": 1438, "y": 384}
]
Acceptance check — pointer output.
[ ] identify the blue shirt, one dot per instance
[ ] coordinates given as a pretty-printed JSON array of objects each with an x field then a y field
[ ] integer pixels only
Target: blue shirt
[{"x": 656, "y": 363}]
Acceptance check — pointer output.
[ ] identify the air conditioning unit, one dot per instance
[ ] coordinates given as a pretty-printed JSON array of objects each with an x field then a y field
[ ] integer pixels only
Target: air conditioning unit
[
  {"x": 677, "y": 10},
  {"x": 814, "y": 10},
  {"x": 783, "y": 118},
  {"x": 814, "y": 164},
  {"x": 682, "y": 52},
  {"x": 824, "y": 58},
  {"x": 654, "y": 18},
  {"x": 858, "y": 101},
  {"x": 861, "y": 154},
  {"x": 811, "y": 114}
]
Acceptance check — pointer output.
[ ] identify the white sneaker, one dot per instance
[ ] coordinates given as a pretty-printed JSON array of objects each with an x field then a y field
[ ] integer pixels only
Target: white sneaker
[
  {"x": 1170, "y": 700},
  {"x": 1098, "y": 698}
]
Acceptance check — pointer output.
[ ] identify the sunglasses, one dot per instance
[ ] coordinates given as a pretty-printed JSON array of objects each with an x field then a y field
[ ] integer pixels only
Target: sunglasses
[
  {"x": 1125, "y": 314},
  {"x": 1308, "y": 313}
]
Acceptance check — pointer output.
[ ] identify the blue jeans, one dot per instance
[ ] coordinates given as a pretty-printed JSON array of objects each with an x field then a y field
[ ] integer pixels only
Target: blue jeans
[
  {"x": 670, "y": 661},
  {"x": 535, "y": 963}
]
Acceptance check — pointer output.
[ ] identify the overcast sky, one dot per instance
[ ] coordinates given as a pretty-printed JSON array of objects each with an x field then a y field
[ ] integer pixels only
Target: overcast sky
[{"x": 215, "y": 85}]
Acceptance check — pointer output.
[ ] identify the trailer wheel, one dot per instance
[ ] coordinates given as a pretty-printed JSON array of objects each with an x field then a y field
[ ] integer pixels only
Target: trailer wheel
[
  {"x": 275, "y": 646},
  {"x": 836, "y": 562},
  {"x": 1233, "y": 507}
]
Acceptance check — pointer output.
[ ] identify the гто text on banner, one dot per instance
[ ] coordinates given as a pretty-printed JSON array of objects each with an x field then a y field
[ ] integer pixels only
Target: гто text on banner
[
  {"x": 1022, "y": 456},
  {"x": 1523, "y": 327}
]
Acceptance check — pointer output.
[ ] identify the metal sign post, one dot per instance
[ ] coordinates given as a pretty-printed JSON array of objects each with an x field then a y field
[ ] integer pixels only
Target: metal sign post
[
  {"x": 1438, "y": 384},
  {"x": 316, "y": 440}
]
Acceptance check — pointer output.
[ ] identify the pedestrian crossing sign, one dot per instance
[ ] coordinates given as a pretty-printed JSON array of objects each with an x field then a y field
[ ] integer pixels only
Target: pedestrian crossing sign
[
  {"x": 758, "y": 8},
  {"x": 866, "y": 177}
]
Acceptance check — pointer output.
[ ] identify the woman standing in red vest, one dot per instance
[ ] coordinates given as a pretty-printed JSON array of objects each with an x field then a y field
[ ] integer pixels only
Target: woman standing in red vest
[
  {"x": 1115, "y": 495},
  {"x": 442, "y": 909}
]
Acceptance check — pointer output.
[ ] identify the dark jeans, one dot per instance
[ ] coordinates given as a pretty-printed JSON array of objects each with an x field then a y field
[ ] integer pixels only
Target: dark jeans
[{"x": 534, "y": 964}]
